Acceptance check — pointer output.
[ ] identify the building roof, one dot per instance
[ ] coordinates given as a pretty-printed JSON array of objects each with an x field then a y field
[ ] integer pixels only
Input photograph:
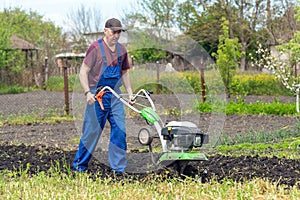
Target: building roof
[
  {"x": 70, "y": 55},
  {"x": 19, "y": 43}
]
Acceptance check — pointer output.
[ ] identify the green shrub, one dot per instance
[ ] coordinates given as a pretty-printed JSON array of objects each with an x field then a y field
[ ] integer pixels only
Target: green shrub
[
  {"x": 194, "y": 80},
  {"x": 241, "y": 107},
  {"x": 261, "y": 108},
  {"x": 15, "y": 89},
  {"x": 258, "y": 84}
]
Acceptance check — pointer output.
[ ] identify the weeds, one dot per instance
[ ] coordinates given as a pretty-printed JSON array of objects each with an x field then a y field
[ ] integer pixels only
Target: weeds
[
  {"x": 39, "y": 116},
  {"x": 81, "y": 186}
]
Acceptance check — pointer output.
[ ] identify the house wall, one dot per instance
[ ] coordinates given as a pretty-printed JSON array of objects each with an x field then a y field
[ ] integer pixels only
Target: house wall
[{"x": 284, "y": 57}]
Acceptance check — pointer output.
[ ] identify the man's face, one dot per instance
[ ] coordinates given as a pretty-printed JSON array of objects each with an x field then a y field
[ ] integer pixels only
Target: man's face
[{"x": 112, "y": 36}]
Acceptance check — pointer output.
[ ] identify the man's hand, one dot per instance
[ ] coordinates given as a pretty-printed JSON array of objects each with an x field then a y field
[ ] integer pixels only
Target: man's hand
[
  {"x": 83, "y": 77},
  {"x": 127, "y": 85},
  {"x": 131, "y": 99},
  {"x": 90, "y": 98}
]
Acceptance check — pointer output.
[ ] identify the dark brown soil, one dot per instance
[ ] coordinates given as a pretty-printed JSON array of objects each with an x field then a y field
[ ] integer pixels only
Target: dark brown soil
[{"x": 43, "y": 145}]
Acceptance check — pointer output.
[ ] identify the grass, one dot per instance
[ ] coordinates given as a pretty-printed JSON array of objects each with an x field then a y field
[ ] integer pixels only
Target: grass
[{"x": 81, "y": 186}]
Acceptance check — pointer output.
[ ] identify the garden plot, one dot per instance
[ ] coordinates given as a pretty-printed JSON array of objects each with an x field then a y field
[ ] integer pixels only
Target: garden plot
[{"x": 38, "y": 147}]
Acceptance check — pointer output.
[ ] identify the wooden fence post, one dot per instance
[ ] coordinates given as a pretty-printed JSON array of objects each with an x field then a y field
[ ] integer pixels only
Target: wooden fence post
[{"x": 66, "y": 86}]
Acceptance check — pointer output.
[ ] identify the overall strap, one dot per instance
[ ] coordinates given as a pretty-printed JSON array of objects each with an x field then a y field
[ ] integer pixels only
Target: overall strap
[
  {"x": 119, "y": 54},
  {"x": 102, "y": 52}
]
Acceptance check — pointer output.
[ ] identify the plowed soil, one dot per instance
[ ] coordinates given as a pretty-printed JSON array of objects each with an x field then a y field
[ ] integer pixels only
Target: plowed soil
[{"x": 40, "y": 146}]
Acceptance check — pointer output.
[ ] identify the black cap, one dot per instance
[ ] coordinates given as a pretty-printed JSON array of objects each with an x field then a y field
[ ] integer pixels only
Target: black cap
[{"x": 114, "y": 24}]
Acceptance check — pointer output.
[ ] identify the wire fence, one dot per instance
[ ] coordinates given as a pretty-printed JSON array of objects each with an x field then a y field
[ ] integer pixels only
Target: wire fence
[{"x": 51, "y": 73}]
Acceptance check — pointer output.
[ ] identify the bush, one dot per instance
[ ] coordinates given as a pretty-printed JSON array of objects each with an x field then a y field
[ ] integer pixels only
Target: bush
[
  {"x": 275, "y": 108},
  {"x": 15, "y": 89},
  {"x": 247, "y": 84},
  {"x": 258, "y": 84}
]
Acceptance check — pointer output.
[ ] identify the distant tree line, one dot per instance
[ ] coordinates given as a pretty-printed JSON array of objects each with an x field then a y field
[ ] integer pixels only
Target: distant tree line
[
  {"x": 250, "y": 21},
  {"x": 31, "y": 27},
  {"x": 266, "y": 21}
]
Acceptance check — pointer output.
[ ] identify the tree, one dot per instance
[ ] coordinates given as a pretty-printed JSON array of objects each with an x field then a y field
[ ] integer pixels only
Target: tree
[
  {"x": 284, "y": 70},
  {"x": 30, "y": 27},
  {"x": 227, "y": 56},
  {"x": 244, "y": 20},
  {"x": 200, "y": 20},
  {"x": 84, "y": 20},
  {"x": 152, "y": 25},
  {"x": 249, "y": 20},
  {"x": 5, "y": 33},
  {"x": 159, "y": 16},
  {"x": 280, "y": 24}
]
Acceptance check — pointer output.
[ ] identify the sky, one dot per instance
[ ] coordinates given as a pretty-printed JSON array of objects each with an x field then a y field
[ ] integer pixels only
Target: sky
[{"x": 57, "y": 10}]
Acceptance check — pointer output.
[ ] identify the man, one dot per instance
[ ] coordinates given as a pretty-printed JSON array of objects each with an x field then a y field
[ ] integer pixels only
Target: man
[{"x": 105, "y": 64}]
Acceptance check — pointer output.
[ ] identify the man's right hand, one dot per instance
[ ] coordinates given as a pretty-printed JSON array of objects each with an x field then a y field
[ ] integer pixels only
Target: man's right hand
[{"x": 90, "y": 98}]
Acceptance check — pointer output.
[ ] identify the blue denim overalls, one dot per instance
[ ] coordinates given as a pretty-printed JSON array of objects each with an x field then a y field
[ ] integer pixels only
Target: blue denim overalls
[{"x": 95, "y": 119}]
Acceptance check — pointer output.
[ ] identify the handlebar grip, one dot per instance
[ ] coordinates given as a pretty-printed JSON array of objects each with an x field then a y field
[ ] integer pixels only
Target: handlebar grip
[{"x": 149, "y": 92}]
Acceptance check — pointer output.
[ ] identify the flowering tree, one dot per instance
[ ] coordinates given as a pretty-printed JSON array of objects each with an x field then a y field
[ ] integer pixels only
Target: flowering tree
[{"x": 284, "y": 69}]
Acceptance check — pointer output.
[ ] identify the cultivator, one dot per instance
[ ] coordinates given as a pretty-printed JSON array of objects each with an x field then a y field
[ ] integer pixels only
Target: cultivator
[{"x": 178, "y": 139}]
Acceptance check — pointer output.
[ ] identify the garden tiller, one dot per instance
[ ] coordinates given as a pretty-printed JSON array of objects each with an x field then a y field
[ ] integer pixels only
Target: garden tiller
[{"x": 179, "y": 139}]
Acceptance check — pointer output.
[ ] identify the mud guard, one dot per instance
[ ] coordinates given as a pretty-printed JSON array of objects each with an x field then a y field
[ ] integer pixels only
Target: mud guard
[{"x": 179, "y": 160}]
